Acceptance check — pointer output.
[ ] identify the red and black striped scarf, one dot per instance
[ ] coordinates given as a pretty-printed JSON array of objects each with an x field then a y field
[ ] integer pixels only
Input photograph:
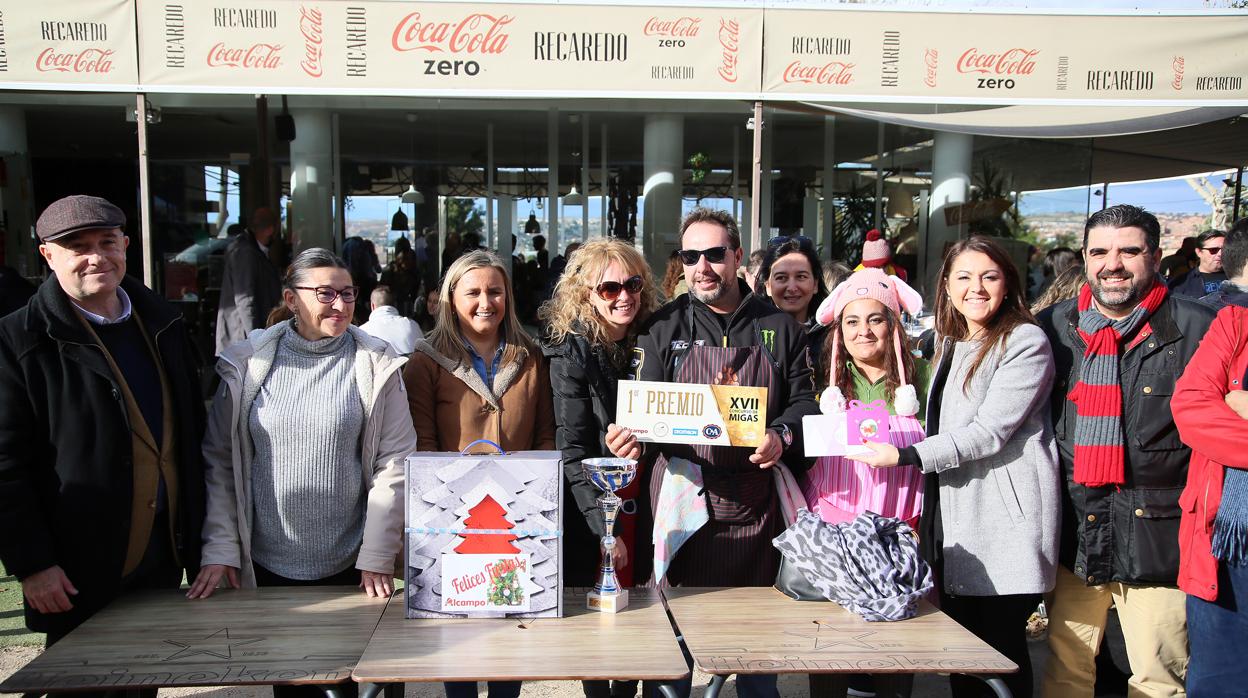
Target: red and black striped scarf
[{"x": 1100, "y": 456}]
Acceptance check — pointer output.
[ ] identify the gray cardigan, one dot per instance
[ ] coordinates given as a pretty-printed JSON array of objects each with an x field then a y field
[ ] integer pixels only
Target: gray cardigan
[{"x": 997, "y": 463}]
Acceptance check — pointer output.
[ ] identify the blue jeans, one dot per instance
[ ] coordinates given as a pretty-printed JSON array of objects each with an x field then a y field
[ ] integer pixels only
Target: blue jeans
[
  {"x": 495, "y": 689},
  {"x": 1216, "y": 635}
]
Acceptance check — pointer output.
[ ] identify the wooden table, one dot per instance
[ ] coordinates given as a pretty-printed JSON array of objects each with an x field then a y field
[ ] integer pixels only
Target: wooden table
[
  {"x": 270, "y": 636},
  {"x": 758, "y": 630},
  {"x": 636, "y": 643}
]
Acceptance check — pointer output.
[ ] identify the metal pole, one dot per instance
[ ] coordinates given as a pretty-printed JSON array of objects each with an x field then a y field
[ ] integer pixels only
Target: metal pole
[
  {"x": 584, "y": 177},
  {"x": 337, "y": 185},
  {"x": 879, "y": 178},
  {"x": 145, "y": 197},
  {"x": 828, "y": 186},
  {"x": 1105, "y": 196},
  {"x": 756, "y": 179},
  {"x": 552, "y": 180},
  {"x": 492, "y": 236},
  {"x": 605, "y": 184},
  {"x": 736, "y": 189},
  {"x": 1239, "y": 190}
]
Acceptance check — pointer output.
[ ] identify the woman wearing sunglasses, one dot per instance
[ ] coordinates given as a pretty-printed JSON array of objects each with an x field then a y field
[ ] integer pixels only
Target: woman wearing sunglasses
[
  {"x": 479, "y": 376},
  {"x": 792, "y": 278},
  {"x": 305, "y": 447},
  {"x": 599, "y": 303}
]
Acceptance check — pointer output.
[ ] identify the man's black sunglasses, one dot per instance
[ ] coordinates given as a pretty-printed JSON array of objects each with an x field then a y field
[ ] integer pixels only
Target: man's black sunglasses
[
  {"x": 714, "y": 255},
  {"x": 610, "y": 290}
]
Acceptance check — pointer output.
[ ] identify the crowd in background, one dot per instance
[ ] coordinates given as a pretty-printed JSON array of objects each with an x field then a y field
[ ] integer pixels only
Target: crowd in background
[{"x": 1066, "y": 432}]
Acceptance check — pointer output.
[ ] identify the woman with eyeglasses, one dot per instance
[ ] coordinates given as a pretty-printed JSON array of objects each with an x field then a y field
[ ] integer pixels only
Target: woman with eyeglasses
[
  {"x": 602, "y": 299},
  {"x": 478, "y": 376},
  {"x": 991, "y": 504},
  {"x": 305, "y": 447},
  {"x": 792, "y": 278}
]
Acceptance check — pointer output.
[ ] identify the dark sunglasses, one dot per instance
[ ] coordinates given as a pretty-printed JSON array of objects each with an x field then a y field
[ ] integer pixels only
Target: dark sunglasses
[
  {"x": 801, "y": 240},
  {"x": 714, "y": 255},
  {"x": 329, "y": 294},
  {"x": 610, "y": 290},
  {"x": 1212, "y": 250}
]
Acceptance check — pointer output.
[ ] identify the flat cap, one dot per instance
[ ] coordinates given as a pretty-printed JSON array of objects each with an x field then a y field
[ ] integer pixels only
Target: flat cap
[{"x": 74, "y": 213}]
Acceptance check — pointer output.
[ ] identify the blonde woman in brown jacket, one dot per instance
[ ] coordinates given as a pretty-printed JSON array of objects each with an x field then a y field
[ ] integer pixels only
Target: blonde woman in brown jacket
[{"x": 479, "y": 376}]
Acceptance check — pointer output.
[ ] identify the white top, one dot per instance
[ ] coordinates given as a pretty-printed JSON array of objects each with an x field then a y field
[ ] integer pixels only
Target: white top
[{"x": 386, "y": 323}]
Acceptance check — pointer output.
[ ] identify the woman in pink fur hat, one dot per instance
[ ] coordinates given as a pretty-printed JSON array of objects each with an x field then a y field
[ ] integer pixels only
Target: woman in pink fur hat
[{"x": 867, "y": 361}]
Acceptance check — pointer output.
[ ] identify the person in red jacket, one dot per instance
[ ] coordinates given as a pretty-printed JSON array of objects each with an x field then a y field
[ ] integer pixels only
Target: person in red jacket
[{"x": 1210, "y": 407}]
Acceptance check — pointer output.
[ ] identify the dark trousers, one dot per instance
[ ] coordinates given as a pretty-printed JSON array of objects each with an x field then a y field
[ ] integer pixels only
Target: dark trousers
[
  {"x": 347, "y": 577},
  {"x": 1000, "y": 621},
  {"x": 1216, "y": 633}
]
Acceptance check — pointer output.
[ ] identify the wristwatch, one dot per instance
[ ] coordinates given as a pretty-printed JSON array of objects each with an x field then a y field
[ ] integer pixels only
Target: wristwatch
[{"x": 786, "y": 434}]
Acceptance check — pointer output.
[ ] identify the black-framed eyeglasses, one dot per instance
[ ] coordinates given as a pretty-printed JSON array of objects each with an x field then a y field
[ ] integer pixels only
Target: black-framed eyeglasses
[
  {"x": 1212, "y": 250},
  {"x": 610, "y": 290},
  {"x": 714, "y": 255},
  {"x": 329, "y": 294},
  {"x": 781, "y": 239}
]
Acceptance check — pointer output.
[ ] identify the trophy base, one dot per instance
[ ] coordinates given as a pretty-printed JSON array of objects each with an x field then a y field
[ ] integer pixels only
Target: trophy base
[{"x": 607, "y": 603}]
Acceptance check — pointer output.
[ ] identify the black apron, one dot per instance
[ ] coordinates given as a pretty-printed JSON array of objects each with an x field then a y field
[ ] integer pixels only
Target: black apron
[{"x": 734, "y": 547}]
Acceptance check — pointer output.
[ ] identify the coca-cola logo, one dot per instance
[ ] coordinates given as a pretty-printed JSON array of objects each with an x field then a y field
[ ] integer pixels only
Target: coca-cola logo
[
  {"x": 831, "y": 73},
  {"x": 91, "y": 60},
  {"x": 682, "y": 27},
  {"x": 931, "y": 60},
  {"x": 730, "y": 47},
  {"x": 1015, "y": 61},
  {"x": 257, "y": 56},
  {"x": 311, "y": 26},
  {"x": 477, "y": 33},
  {"x": 1177, "y": 66}
]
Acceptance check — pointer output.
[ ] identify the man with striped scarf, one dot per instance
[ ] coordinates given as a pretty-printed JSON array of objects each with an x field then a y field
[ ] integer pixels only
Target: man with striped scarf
[{"x": 1119, "y": 347}]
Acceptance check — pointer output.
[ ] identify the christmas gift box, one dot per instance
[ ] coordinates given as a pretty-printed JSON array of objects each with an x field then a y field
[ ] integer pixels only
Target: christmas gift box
[{"x": 483, "y": 535}]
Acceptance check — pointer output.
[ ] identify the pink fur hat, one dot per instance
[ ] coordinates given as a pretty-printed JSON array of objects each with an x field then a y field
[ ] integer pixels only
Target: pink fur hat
[{"x": 874, "y": 284}]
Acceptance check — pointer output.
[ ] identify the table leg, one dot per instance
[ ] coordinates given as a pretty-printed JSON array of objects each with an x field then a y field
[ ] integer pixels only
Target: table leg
[
  {"x": 367, "y": 690},
  {"x": 668, "y": 690},
  {"x": 716, "y": 685},
  {"x": 330, "y": 690},
  {"x": 997, "y": 684}
]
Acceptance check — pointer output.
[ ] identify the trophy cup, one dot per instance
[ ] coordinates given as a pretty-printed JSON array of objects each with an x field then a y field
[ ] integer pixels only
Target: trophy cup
[{"x": 609, "y": 475}]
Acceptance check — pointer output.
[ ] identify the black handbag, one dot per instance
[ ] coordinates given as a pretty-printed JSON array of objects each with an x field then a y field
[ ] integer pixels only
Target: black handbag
[{"x": 793, "y": 584}]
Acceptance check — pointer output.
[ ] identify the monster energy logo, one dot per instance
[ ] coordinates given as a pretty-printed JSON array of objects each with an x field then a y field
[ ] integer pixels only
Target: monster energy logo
[{"x": 769, "y": 339}]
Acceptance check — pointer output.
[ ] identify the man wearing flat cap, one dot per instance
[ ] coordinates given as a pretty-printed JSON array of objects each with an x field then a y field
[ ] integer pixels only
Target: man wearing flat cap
[{"x": 101, "y": 482}]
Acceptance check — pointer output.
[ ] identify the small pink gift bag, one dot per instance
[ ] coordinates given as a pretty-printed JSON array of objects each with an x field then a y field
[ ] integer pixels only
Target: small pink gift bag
[{"x": 867, "y": 422}]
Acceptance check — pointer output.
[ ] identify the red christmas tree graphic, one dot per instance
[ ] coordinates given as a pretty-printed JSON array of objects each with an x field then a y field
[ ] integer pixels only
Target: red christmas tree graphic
[{"x": 487, "y": 514}]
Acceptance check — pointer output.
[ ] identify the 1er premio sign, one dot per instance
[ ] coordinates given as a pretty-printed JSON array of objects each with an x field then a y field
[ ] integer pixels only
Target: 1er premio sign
[{"x": 693, "y": 413}]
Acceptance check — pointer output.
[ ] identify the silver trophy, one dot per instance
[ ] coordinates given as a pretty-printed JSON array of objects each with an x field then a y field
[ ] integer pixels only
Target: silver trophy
[{"x": 609, "y": 475}]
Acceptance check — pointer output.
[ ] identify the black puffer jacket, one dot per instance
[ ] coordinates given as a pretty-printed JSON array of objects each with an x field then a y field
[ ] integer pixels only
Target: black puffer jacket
[
  {"x": 66, "y": 448},
  {"x": 1128, "y": 534},
  {"x": 583, "y": 379}
]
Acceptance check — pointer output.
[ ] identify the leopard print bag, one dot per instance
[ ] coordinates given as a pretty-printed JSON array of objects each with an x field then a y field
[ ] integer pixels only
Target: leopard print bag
[{"x": 870, "y": 565}]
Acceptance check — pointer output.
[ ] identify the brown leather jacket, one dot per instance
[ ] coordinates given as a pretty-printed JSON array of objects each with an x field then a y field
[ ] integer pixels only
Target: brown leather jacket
[{"x": 451, "y": 406}]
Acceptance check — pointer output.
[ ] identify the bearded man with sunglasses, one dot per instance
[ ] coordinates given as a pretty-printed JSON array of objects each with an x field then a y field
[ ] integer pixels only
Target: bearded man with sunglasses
[
  {"x": 721, "y": 329},
  {"x": 101, "y": 479},
  {"x": 1208, "y": 276}
]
